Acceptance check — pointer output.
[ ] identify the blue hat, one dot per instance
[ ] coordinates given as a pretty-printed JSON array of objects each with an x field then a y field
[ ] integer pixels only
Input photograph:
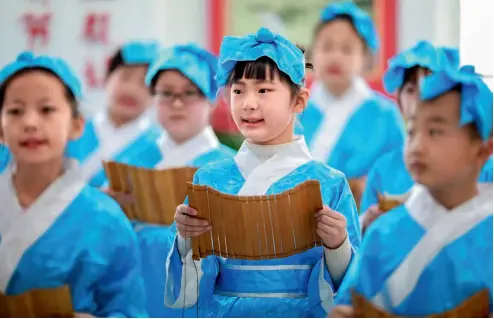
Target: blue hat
[
  {"x": 134, "y": 53},
  {"x": 27, "y": 60},
  {"x": 197, "y": 64},
  {"x": 476, "y": 97},
  {"x": 289, "y": 59},
  {"x": 452, "y": 54},
  {"x": 424, "y": 55},
  {"x": 361, "y": 20}
]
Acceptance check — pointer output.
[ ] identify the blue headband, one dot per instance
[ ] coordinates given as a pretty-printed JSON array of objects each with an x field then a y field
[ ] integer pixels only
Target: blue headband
[
  {"x": 197, "y": 64},
  {"x": 476, "y": 97},
  {"x": 424, "y": 55},
  {"x": 289, "y": 59},
  {"x": 361, "y": 20},
  {"x": 134, "y": 53},
  {"x": 27, "y": 60}
]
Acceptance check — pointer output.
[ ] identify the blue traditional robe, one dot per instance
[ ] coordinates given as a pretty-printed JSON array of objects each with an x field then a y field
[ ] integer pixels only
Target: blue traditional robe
[
  {"x": 5, "y": 157},
  {"x": 102, "y": 141},
  {"x": 301, "y": 285},
  {"x": 350, "y": 133},
  {"x": 71, "y": 235},
  {"x": 421, "y": 259},
  {"x": 156, "y": 241},
  {"x": 389, "y": 177}
]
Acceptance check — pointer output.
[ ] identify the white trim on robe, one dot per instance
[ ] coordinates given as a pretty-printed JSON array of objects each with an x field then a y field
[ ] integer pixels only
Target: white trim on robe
[
  {"x": 179, "y": 155},
  {"x": 112, "y": 140},
  {"x": 24, "y": 227},
  {"x": 337, "y": 112},
  {"x": 440, "y": 232},
  {"x": 259, "y": 176}
]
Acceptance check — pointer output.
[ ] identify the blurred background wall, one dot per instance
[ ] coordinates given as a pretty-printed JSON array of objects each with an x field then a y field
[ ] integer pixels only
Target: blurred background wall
[{"x": 86, "y": 32}]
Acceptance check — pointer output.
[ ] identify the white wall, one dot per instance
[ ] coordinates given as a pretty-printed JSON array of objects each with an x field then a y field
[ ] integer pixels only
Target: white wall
[
  {"x": 168, "y": 21},
  {"x": 477, "y": 35},
  {"x": 437, "y": 21}
]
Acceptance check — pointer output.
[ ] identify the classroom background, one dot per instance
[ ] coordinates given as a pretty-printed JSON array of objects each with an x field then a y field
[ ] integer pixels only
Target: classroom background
[{"x": 86, "y": 32}]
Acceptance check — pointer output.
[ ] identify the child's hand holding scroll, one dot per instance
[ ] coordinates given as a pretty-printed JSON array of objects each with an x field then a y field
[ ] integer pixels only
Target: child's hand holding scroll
[
  {"x": 331, "y": 227},
  {"x": 187, "y": 224}
]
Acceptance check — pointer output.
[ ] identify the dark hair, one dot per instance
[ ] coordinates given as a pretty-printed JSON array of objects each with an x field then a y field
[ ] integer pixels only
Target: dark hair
[
  {"x": 342, "y": 17},
  {"x": 74, "y": 105},
  {"x": 116, "y": 61}
]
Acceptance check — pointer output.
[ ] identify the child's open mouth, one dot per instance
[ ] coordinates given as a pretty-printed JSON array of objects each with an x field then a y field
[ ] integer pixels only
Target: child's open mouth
[
  {"x": 252, "y": 121},
  {"x": 33, "y": 143}
]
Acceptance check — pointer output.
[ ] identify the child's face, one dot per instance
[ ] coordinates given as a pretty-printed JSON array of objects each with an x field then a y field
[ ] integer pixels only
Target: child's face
[
  {"x": 183, "y": 111},
  {"x": 37, "y": 119},
  {"x": 264, "y": 109},
  {"x": 409, "y": 94},
  {"x": 339, "y": 54},
  {"x": 408, "y": 97},
  {"x": 128, "y": 95},
  {"x": 439, "y": 153}
]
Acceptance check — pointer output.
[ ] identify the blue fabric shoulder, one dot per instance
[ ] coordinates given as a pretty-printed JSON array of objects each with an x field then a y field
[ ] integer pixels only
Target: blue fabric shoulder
[
  {"x": 217, "y": 154},
  {"x": 80, "y": 148},
  {"x": 5, "y": 157}
]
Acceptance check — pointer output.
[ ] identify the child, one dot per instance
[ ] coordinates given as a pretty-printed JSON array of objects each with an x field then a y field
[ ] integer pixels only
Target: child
[
  {"x": 264, "y": 77},
  {"x": 389, "y": 175},
  {"x": 123, "y": 130},
  {"x": 347, "y": 125},
  {"x": 182, "y": 81},
  {"x": 54, "y": 229},
  {"x": 431, "y": 254}
]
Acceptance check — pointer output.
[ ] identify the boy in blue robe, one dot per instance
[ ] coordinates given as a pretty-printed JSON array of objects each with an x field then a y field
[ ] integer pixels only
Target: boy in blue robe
[
  {"x": 124, "y": 130},
  {"x": 347, "y": 125},
  {"x": 54, "y": 229},
  {"x": 434, "y": 252},
  {"x": 389, "y": 176},
  {"x": 263, "y": 75}
]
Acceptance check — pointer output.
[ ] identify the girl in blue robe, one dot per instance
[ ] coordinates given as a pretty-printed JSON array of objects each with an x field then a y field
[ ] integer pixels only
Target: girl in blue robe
[
  {"x": 389, "y": 176},
  {"x": 263, "y": 75},
  {"x": 433, "y": 253},
  {"x": 54, "y": 229},
  {"x": 182, "y": 81},
  {"x": 124, "y": 129},
  {"x": 347, "y": 125}
]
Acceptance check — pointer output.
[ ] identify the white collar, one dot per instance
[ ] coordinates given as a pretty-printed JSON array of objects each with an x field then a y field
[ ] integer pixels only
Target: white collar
[
  {"x": 425, "y": 210},
  {"x": 325, "y": 99},
  {"x": 178, "y": 155},
  {"x": 250, "y": 155},
  {"x": 107, "y": 131}
]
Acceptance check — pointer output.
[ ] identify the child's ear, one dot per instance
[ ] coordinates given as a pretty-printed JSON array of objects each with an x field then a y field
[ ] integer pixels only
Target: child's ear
[
  {"x": 485, "y": 150},
  {"x": 78, "y": 123},
  {"x": 301, "y": 100}
]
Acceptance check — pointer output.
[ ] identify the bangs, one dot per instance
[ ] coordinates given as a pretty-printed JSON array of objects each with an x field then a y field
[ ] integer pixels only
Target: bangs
[{"x": 263, "y": 69}]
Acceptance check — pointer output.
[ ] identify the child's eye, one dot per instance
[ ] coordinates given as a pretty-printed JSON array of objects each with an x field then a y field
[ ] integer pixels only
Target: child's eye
[
  {"x": 264, "y": 91},
  {"x": 236, "y": 91},
  {"x": 410, "y": 132},
  {"x": 435, "y": 132},
  {"x": 191, "y": 94},
  {"x": 14, "y": 111},
  {"x": 47, "y": 109}
]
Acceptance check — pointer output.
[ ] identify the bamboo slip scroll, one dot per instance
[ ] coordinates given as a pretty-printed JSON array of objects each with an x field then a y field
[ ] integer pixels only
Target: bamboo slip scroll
[
  {"x": 256, "y": 227},
  {"x": 389, "y": 202},
  {"x": 475, "y": 307},
  {"x": 39, "y": 303},
  {"x": 156, "y": 193}
]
